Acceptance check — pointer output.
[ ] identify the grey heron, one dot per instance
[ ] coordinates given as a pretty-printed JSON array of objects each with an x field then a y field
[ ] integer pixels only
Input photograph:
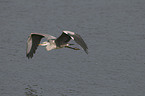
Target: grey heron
[{"x": 53, "y": 42}]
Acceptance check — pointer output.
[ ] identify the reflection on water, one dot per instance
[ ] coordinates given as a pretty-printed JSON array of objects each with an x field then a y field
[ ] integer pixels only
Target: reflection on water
[{"x": 33, "y": 90}]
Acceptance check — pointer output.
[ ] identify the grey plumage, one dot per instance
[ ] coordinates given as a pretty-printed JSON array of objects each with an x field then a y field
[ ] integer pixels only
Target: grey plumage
[{"x": 53, "y": 42}]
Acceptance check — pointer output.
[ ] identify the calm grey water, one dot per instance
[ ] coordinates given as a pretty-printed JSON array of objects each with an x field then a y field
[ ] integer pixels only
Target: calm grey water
[{"x": 114, "y": 31}]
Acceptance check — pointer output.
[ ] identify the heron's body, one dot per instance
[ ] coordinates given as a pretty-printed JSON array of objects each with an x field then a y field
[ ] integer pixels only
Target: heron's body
[
  {"x": 51, "y": 45},
  {"x": 53, "y": 42}
]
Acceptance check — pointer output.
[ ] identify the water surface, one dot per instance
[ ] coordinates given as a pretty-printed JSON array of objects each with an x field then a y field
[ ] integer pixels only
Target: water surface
[{"x": 112, "y": 29}]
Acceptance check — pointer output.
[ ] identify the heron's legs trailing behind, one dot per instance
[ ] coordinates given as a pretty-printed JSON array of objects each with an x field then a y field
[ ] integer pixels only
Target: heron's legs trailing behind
[
  {"x": 71, "y": 44},
  {"x": 72, "y": 48}
]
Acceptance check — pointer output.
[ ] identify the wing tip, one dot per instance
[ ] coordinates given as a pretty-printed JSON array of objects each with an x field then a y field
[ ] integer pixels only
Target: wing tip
[
  {"x": 29, "y": 56},
  {"x": 86, "y": 51}
]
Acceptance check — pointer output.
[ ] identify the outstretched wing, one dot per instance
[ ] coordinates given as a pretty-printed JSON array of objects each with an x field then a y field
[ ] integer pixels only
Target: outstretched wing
[
  {"x": 33, "y": 41},
  {"x": 62, "y": 39},
  {"x": 78, "y": 39}
]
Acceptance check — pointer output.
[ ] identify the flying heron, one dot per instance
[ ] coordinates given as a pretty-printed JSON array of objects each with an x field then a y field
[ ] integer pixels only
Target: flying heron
[{"x": 53, "y": 42}]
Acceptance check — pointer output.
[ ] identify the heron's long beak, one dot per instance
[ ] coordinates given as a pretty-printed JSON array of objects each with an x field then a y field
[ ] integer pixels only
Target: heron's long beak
[
  {"x": 40, "y": 44},
  {"x": 43, "y": 44}
]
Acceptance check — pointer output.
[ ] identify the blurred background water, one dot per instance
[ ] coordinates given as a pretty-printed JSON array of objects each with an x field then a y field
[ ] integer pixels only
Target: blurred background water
[{"x": 114, "y": 31}]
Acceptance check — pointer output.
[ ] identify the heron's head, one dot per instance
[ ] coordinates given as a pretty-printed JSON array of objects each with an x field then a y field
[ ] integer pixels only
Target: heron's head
[{"x": 44, "y": 43}]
